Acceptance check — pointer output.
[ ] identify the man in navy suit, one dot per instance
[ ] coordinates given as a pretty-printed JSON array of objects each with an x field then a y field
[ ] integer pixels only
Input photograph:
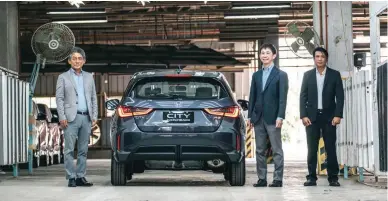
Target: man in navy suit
[
  {"x": 321, "y": 109},
  {"x": 267, "y": 108}
]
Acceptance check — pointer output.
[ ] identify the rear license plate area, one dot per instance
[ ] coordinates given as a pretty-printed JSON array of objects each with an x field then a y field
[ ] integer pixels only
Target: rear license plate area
[{"x": 178, "y": 117}]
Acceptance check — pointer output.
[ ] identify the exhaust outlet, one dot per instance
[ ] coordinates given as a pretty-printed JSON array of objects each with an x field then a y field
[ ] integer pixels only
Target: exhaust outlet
[{"x": 215, "y": 163}]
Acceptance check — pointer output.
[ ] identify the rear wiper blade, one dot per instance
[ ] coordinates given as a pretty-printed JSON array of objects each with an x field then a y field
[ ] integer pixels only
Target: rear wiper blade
[{"x": 174, "y": 96}]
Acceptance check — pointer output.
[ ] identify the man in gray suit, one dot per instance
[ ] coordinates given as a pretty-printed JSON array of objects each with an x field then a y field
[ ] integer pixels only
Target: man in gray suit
[
  {"x": 267, "y": 107},
  {"x": 76, "y": 100}
]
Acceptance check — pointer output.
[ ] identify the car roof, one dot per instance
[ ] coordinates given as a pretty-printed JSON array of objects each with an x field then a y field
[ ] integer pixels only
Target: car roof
[{"x": 165, "y": 72}]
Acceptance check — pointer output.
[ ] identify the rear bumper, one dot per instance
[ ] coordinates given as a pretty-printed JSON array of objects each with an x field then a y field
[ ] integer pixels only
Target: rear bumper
[
  {"x": 178, "y": 147},
  {"x": 178, "y": 154}
]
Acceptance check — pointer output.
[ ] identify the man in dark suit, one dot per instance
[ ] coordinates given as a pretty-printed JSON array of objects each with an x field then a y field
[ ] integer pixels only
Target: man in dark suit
[
  {"x": 267, "y": 107},
  {"x": 321, "y": 108}
]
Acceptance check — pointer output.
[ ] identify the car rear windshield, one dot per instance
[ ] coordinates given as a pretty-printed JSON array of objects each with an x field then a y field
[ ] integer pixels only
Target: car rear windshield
[{"x": 179, "y": 88}]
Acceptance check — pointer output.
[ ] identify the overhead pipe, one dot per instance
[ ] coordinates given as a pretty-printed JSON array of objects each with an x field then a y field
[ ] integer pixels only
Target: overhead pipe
[{"x": 111, "y": 5}]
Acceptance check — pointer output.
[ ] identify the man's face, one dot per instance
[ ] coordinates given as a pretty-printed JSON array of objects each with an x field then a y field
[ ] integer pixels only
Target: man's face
[
  {"x": 320, "y": 59},
  {"x": 266, "y": 56},
  {"x": 76, "y": 61}
]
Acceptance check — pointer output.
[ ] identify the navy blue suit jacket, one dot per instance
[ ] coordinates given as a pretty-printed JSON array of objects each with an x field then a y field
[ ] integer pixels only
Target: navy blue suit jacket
[{"x": 271, "y": 102}]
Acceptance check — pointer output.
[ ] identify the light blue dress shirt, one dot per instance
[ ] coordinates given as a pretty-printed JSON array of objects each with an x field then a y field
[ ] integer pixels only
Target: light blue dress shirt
[
  {"x": 266, "y": 73},
  {"x": 81, "y": 99}
]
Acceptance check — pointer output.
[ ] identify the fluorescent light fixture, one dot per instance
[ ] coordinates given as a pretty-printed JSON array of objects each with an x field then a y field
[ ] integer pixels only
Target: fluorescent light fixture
[
  {"x": 74, "y": 12},
  {"x": 251, "y": 16},
  {"x": 260, "y": 7},
  {"x": 143, "y": 2},
  {"x": 76, "y": 3},
  {"x": 81, "y": 21}
]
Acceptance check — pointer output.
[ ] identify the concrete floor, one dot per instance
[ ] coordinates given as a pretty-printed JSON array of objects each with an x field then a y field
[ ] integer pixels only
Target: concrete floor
[{"x": 48, "y": 183}]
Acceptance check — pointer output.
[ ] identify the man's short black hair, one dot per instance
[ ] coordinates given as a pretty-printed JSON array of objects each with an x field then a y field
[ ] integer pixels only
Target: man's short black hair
[
  {"x": 321, "y": 49},
  {"x": 269, "y": 46}
]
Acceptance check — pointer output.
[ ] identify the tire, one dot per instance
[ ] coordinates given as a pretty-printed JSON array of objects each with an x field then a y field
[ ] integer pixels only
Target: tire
[
  {"x": 226, "y": 176},
  {"x": 118, "y": 174},
  {"x": 56, "y": 159},
  {"x": 44, "y": 160},
  {"x": 62, "y": 160},
  {"x": 237, "y": 173}
]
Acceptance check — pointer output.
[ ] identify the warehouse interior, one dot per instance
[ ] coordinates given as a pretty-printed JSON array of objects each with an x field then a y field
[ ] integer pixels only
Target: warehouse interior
[{"x": 122, "y": 38}]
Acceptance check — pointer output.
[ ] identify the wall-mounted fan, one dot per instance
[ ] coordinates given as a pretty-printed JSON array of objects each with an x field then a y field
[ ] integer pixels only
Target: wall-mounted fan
[{"x": 302, "y": 39}]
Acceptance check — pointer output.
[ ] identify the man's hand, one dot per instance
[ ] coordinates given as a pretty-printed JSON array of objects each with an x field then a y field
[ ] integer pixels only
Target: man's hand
[
  {"x": 336, "y": 121},
  {"x": 63, "y": 123},
  {"x": 306, "y": 121},
  {"x": 279, "y": 123}
]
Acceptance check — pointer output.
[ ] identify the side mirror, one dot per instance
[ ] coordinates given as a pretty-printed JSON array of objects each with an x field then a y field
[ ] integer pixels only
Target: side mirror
[
  {"x": 55, "y": 119},
  {"x": 112, "y": 104},
  {"x": 243, "y": 103}
]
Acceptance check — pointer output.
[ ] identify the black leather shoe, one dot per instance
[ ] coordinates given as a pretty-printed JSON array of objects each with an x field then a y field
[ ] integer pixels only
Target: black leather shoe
[
  {"x": 310, "y": 182},
  {"x": 276, "y": 183},
  {"x": 260, "y": 183},
  {"x": 72, "y": 183},
  {"x": 334, "y": 183},
  {"x": 82, "y": 182}
]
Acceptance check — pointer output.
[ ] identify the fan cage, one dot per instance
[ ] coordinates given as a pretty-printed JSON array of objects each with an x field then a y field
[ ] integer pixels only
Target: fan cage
[
  {"x": 53, "y": 42},
  {"x": 302, "y": 52}
]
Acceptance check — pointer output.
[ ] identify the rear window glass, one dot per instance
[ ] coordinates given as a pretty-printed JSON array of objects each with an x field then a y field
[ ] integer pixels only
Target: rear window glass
[{"x": 179, "y": 88}]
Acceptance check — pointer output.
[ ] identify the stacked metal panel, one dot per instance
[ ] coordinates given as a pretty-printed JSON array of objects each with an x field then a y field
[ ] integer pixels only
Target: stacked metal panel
[
  {"x": 14, "y": 111},
  {"x": 382, "y": 93},
  {"x": 355, "y": 134}
]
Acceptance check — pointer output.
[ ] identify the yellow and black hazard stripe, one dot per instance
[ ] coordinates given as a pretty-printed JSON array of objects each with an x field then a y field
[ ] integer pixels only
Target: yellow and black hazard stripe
[
  {"x": 322, "y": 159},
  {"x": 249, "y": 142}
]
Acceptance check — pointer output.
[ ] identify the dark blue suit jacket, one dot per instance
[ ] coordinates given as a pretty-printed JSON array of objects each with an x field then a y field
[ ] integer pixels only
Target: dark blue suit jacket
[{"x": 271, "y": 102}]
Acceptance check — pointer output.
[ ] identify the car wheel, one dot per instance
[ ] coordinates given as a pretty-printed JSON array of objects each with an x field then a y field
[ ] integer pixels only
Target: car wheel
[
  {"x": 44, "y": 160},
  {"x": 62, "y": 161},
  {"x": 118, "y": 174},
  {"x": 56, "y": 159},
  {"x": 237, "y": 173}
]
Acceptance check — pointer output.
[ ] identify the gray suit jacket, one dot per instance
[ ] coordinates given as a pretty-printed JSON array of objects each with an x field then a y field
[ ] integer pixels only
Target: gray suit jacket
[
  {"x": 66, "y": 96},
  {"x": 271, "y": 102}
]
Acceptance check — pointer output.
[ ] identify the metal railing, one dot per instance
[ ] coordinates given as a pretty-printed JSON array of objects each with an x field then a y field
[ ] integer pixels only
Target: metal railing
[
  {"x": 14, "y": 121},
  {"x": 356, "y": 136}
]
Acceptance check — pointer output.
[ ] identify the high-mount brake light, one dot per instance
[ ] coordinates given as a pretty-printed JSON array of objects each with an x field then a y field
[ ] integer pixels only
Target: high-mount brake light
[
  {"x": 127, "y": 111},
  {"x": 233, "y": 111},
  {"x": 178, "y": 75}
]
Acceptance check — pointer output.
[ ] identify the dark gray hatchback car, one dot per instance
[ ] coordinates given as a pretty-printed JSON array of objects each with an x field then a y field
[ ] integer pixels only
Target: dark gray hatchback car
[{"x": 177, "y": 120}]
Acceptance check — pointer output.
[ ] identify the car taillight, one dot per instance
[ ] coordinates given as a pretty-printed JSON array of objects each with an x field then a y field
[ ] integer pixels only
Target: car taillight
[
  {"x": 226, "y": 112},
  {"x": 126, "y": 111}
]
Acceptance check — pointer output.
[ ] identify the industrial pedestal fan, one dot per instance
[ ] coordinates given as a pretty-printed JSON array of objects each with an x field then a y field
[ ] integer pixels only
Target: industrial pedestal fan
[
  {"x": 303, "y": 37},
  {"x": 51, "y": 43}
]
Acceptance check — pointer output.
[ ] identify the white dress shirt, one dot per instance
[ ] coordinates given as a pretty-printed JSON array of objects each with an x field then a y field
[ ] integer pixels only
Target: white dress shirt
[{"x": 320, "y": 81}]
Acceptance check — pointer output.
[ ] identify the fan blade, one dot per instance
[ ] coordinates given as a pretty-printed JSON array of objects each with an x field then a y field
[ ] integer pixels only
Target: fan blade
[
  {"x": 295, "y": 46},
  {"x": 307, "y": 35},
  {"x": 293, "y": 29},
  {"x": 310, "y": 47}
]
